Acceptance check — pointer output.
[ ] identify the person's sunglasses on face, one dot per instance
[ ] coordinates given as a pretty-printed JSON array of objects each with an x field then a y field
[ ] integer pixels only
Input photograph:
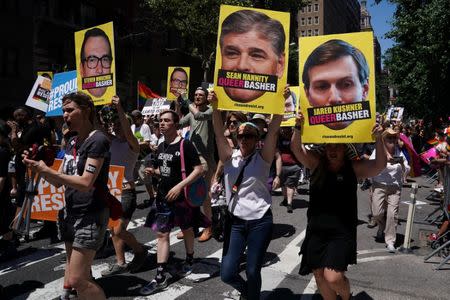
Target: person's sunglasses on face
[{"x": 246, "y": 136}]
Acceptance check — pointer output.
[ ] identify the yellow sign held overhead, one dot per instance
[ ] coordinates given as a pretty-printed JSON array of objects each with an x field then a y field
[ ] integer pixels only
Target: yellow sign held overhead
[{"x": 251, "y": 59}]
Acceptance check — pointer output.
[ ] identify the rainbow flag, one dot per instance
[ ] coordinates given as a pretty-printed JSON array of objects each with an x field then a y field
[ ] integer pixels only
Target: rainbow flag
[
  {"x": 433, "y": 142},
  {"x": 414, "y": 158},
  {"x": 144, "y": 94}
]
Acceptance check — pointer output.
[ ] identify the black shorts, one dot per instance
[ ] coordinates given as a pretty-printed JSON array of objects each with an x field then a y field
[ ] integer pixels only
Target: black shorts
[
  {"x": 86, "y": 232},
  {"x": 290, "y": 175},
  {"x": 128, "y": 201}
]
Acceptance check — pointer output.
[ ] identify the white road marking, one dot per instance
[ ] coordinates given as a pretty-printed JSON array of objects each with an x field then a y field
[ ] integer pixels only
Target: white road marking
[
  {"x": 311, "y": 288},
  {"x": 53, "y": 289},
  {"x": 288, "y": 260},
  {"x": 23, "y": 262}
]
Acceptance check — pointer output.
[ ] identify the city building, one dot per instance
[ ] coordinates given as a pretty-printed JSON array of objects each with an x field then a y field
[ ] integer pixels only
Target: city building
[
  {"x": 366, "y": 25},
  {"x": 321, "y": 17},
  {"x": 39, "y": 36}
]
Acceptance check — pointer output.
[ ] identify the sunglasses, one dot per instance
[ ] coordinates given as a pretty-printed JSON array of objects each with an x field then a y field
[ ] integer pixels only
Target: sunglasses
[
  {"x": 234, "y": 122},
  {"x": 246, "y": 136}
]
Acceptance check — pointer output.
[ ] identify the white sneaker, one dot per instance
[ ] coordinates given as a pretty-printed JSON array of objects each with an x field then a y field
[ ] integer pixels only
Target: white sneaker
[
  {"x": 391, "y": 248},
  {"x": 232, "y": 295}
]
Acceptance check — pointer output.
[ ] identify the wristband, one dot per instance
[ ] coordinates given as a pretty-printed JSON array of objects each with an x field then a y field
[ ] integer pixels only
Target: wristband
[{"x": 298, "y": 127}]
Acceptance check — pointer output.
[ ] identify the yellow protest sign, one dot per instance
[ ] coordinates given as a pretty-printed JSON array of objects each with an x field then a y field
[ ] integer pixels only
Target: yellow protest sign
[
  {"x": 96, "y": 71},
  {"x": 337, "y": 89},
  {"x": 291, "y": 105},
  {"x": 50, "y": 199},
  {"x": 177, "y": 82},
  {"x": 47, "y": 74},
  {"x": 251, "y": 59}
]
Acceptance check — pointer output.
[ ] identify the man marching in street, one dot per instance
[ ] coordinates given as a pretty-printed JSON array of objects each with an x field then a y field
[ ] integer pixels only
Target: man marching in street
[{"x": 172, "y": 208}]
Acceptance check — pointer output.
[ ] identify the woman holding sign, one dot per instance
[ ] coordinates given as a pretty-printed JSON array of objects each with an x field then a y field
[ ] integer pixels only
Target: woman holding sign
[
  {"x": 84, "y": 173},
  {"x": 330, "y": 241},
  {"x": 250, "y": 223}
]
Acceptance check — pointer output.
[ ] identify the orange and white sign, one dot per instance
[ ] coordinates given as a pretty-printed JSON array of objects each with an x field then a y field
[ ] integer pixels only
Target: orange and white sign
[{"x": 50, "y": 199}]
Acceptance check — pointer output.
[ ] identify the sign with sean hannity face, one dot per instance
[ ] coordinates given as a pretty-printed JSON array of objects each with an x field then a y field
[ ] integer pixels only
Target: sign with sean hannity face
[
  {"x": 177, "y": 82},
  {"x": 251, "y": 59},
  {"x": 96, "y": 71},
  {"x": 337, "y": 88}
]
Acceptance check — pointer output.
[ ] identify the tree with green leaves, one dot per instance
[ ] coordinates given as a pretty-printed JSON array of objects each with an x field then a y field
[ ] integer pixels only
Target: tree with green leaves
[
  {"x": 197, "y": 22},
  {"x": 419, "y": 62}
]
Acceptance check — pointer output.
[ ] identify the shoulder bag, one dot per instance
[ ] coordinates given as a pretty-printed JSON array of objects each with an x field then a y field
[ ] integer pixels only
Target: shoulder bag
[{"x": 196, "y": 192}]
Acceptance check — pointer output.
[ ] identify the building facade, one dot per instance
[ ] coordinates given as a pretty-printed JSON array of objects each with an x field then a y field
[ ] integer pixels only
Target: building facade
[
  {"x": 321, "y": 17},
  {"x": 39, "y": 36}
]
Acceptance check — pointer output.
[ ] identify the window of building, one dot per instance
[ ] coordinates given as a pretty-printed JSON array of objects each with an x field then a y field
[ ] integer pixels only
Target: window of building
[
  {"x": 316, "y": 20},
  {"x": 316, "y": 7},
  {"x": 309, "y": 32},
  {"x": 309, "y": 20},
  {"x": 303, "y": 33},
  {"x": 303, "y": 22},
  {"x": 316, "y": 31},
  {"x": 309, "y": 8}
]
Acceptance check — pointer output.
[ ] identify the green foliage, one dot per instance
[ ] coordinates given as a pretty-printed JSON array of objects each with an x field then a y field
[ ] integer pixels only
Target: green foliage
[
  {"x": 196, "y": 21},
  {"x": 419, "y": 62}
]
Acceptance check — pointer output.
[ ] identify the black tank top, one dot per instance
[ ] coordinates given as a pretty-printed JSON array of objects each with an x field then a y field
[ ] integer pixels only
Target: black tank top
[{"x": 333, "y": 199}]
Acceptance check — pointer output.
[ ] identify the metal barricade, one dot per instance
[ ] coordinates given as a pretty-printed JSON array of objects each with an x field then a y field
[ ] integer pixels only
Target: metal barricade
[{"x": 446, "y": 206}]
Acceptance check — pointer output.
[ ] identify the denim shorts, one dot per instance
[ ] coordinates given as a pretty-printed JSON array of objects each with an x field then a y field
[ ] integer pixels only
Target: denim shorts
[{"x": 86, "y": 232}]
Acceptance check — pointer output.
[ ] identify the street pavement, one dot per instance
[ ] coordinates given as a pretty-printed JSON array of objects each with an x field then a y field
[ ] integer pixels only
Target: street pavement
[{"x": 37, "y": 272}]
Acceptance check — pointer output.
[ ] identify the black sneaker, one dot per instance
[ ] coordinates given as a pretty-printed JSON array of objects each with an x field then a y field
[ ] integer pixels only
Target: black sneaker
[
  {"x": 289, "y": 208},
  {"x": 284, "y": 202},
  {"x": 138, "y": 261},
  {"x": 146, "y": 203},
  {"x": 379, "y": 238},
  {"x": 68, "y": 295},
  {"x": 185, "y": 269},
  {"x": 153, "y": 287}
]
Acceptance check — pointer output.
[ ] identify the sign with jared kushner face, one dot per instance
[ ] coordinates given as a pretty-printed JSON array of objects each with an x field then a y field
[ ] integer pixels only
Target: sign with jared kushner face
[{"x": 337, "y": 88}]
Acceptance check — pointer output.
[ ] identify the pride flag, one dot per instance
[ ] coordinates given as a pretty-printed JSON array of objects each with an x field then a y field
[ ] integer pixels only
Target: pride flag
[
  {"x": 414, "y": 158},
  {"x": 144, "y": 94},
  {"x": 433, "y": 142}
]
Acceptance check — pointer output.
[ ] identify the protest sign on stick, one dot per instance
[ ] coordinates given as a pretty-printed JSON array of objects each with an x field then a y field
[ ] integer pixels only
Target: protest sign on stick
[
  {"x": 337, "y": 88},
  {"x": 48, "y": 74},
  {"x": 62, "y": 84},
  {"x": 40, "y": 94},
  {"x": 251, "y": 59},
  {"x": 155, "y": 106},
  {"x": 96, "y": 70},
  {"x": 291, "y": 105},
  {"x": 50, "y": 199},
  {"x": 177, "y": 82}
]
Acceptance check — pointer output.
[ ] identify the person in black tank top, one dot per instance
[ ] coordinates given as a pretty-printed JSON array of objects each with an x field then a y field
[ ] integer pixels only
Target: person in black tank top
[
  {"x": 84, "y": 173},
  {"x": 330, "y": 241}
]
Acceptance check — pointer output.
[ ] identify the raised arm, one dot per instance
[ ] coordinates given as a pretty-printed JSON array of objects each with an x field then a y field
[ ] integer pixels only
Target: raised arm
[
  {"x": 371, "y": 168},
  {"x": 200, "y": 115},
  {"x": 125, "y": 125},
  {"x": 270, "y": 142},
  {"x": 309, "y": 159},
  {"x": 223, "y": 147}
]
